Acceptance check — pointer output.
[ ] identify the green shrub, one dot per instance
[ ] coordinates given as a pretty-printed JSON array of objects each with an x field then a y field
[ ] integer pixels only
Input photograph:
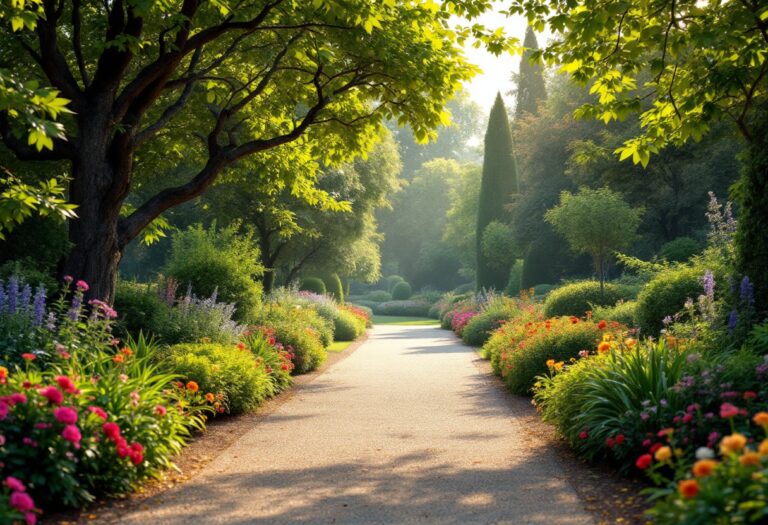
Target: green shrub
[
  {"x": 623, "y": 312},
  {"x": 220, "y": 261},
  {"x": 402, "y": 291},
  {"x": 347, "y": 327},
  {"x": 222, "y": 368},
  {"x": 193, "y": 319},
  {"x": 562, "y": 341},
  {"x": 665, "y": 295},
  {"x": 543, "y": 289},
  {"x": 480, "y": 327},
  {"x": 464, "y": 288},
  {"x": 275, "y": 359},
  {"x": 334, "y": 287},
  {"x": 378, "y": 296},
  {"x": 580, "y": 297},
  {"x": 509, "y": 335},
  {"x": 391, "y": 280},
  {"x": 27, "y": 271},
  {"x": 314, "y": 285},
  {"x": 680, "y": 250},
  {"x": 370, "y": 305},
  {"x": 515, "y": 284},
  {"x": 140, "y": 309},
  {"x": 404, "y": 308},
  {"x": 301, "y": 327}
]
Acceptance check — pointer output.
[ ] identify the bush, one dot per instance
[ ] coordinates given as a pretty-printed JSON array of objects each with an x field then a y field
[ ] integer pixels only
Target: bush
[
  {"x": 347, "y": 326},
  {"x": 402, "y": 291},
  {"x": 665, "y": 295},
  {"x": 268, "y": 352},
  {"x": 314, "y": 285},
  {"x": 680, "y": 250},
  {"x": 515, "y": 283},
  {"x": 559, "y": 339},
  {"x": 228, "y": 369},
  {"x": 193, "y": 319},
  {"x": 140, "y": 308},
  {"x": 334, "y": 287},
  {"x": 378, "y": 296},
  {"x": 222, "y": 262},
  {"x": 404, "y": 308},
  {"x": 580, "y": 297},
  {"x": 302, "y": 331},
  {"x": 543, "y": 289},
  {"x": 623, "y": 312},
  {"x": 391, "y": 280},
  {"x": 494, "y": 314}
]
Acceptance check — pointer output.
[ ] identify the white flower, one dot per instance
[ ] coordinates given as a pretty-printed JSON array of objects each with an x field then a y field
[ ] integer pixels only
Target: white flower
[{"x": 705, "y": 453}]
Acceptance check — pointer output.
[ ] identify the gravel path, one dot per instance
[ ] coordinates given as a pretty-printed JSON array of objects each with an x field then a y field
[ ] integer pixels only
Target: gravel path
[{"x": 405, "y": 430}]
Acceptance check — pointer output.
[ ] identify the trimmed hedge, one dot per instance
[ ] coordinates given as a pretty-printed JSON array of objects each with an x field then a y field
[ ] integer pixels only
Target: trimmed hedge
[
  {"x": 580, "y": 297},
  {"x": 402, "y": 291},
  {"x": 404, "y": 308},
  {"x": 623, "y": 313},
  {"x": 334, "y": 287},
  {"x": 314, "y": 285},
  {"x": 378, "y": 296},
  {"x": 665, "y": 295}
]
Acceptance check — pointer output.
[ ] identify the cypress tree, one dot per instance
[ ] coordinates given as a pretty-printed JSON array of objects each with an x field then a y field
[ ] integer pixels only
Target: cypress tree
[
  {"x": 530, "y": 79},
  {"x": 499, "y": 183}
]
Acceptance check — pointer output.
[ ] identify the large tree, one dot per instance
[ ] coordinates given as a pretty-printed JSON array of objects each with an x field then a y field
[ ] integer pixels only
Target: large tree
[
  {"x": 245, "y": 78},
  {"x": 498, "y": 186},
  {"x": 683, "y": 65},
  {"x": 529, "y": 80}
]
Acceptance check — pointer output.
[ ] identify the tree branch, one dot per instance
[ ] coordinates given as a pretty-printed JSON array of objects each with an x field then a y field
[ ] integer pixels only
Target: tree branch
[
  {"x": 76, "y": 23},
  {"x": 62, "y": 149}
]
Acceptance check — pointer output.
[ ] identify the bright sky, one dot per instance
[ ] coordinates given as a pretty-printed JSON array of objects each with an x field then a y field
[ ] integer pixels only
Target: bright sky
[{"x": 497, "y": 71}]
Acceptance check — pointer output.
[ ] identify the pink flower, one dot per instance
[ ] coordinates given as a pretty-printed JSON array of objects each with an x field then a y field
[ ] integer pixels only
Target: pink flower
[
  {"x": 620, "y": 439},
  {"x": 29, "y": 442},
  {"x": 3, "y": 410},
  {"x": 160, "y": 410},
  {"x": 66, "y": 384},
  {"x": 52, "y": 394},
  {"x": 15, "y": 484},
  {"x": 687, "y": 418},
  {"x": 72, "y": 434},
  {"x": 111, "y": 430},
  {"x": 122, "y": 449},
  {"x": 583, "y": 434},
  {"x": 65, "y": 415},
  {"x": 98, "y": 411},
  {"x": 82, "y": 286},
  {"x": 137, "y": 454},
  {"x": 30, "y": 518},
  {"x": 135, "y": 398},
  {"x": 728, "y": 411},
  {"x": 17, "y": 398},
  {"x": 28, "y": 357},
  {"x": 21, "y": 501},
  {"x": 27, "y": 384},
  {"x": 68, "y": 279}
]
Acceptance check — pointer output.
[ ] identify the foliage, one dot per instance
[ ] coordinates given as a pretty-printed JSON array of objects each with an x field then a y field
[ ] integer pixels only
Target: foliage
[
  {"x": 227, "y": 369},
  {"x": 515, "y": 283},
  {"x": 461, "y": 220},
  {"x": 498, "y": 246},
  {"x": 680, "y": 250},
  {"x": 498, "y": 185},
  {"x": 544, "y": 344},
  {"x": 665, "y": 295},
  {"x": 404, "y": 308},
  {"x": 313, "y": 284},
  {"x": 493, "y": 314},
  {"x": 378, "y": 296},
  {"x": 141, "y": 308},
  {"x": 347, "y": 326},
  {"x": 401, "y": 291},
  {"x": 595, "y": 222},
  {"x": 623, "y": 312},
  {"x": 580, "y": 297},
  {"x": 529, "y": 81},
  {"x": 220, "y": 262},
  {"x": 334, "y": 287},
  {"x": 270, "y": 353}
]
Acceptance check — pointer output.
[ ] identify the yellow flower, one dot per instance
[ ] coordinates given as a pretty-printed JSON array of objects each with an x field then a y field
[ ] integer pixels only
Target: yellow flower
[
  {"x": 663, "y": 454},
  {"x": 550, "y": 363},
  {"x": 607, "y": 337},
  {"x": 629, "y": 342},
  {"x": 750, "y": 459},
  {"x": 733, "y": 443}
]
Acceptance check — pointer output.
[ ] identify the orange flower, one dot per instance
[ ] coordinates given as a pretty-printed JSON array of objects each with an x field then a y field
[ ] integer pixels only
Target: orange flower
[
  {"x": 550, "y": 363},
  {"x": 761, "y": 418},
  {"x": 704, "y": 468},
  {"x": 3, "y": 375},
  {"x": 210, "y": 397},
  {"x": 118, "y": 358},
  {"x": 126, "y": 351},
  {"x": 763, "y": 448},
  {"x": 559, "y": 365},
  {"x": 663, "y": 454},
  {"x": 749, "y": 458},
  {"x": 604, "y": 347},
  {"x": 629, "y": 342},
  {"x": 733, "y": 443},
  {"x": 192, "y": 386},
  {"x": 688, "y": 488}
]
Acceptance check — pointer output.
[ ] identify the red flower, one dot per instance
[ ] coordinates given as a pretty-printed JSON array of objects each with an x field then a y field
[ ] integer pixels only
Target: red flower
[
  {"x": 28, "y": 357},
  {"x": 72, "y": 434},
  {"x": 602, "y": 325},
  {"x": 728, "y": 411},
  {"x": 111, "y": 430},
  {"x": 66, "y": 384},
  {"x": 610, "y": 442},
  {"x": 66, "y": 415},
  {"x": 137, "y": 458},
  {"x": 646, "y": 443},
  {"x": 82, "y": 285},
  {"x": 750, "y": 395},
  {"x": 644, "y": 461},
  {"x": 160, "y": 410},
  {"x": 123, "y": 450},
  {"x": 620, "y": 439},
  {"x": 583, "y": 434},
  {"x": 98, "y": 411},
  {"x": 655, "y": 447},
  {"x": 52, "y": 394}
]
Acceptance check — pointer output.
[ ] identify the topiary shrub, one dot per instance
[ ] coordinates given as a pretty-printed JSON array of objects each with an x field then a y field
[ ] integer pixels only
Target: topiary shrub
[
  {"x": 378, "y": 296},
  {"x": 480, "y": 327},
  {"x": 580, "y": 297},
  {"x": 391, "y": 280},
  {"x": 680, "y": 249},
  {"x": 623, "y": 312},
  {"x": 515, "y": 284},
  {"x": 402, "y": 291},
  {"x": 220, "y": 261},
  {"x": 314, "y": 285},
  {"x": 140, "y": 309},
  {"x": 665, "y": 295},
  {"x": 221, "y": 368},
  {"x": 559, "y": 339},
  {"x": 334, "y": 287}
]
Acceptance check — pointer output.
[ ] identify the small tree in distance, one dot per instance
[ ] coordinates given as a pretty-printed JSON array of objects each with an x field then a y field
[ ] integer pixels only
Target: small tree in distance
[{"x": 596, "y": 222}]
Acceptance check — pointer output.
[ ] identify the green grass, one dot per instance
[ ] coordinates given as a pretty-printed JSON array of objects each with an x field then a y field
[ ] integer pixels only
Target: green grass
[
  {"x": 403, "y": 321},
  {"x": 339, "y": 346}
]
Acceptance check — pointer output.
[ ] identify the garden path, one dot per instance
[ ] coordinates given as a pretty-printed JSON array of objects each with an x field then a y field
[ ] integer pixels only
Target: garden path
[{"x": 407, "y": 429}]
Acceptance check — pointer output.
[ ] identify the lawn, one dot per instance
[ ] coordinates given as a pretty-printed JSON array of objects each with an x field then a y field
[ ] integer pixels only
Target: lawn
[
  {"x": 403, "y": 320},
  {"x": 339, "y": 346}
]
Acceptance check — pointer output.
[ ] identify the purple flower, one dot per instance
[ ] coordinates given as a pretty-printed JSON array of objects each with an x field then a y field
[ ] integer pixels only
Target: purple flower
[
  {"x": 3, "y": 298},
  {"x": 733, "y": 318},
  {"x": 26, "y": 294},
  {"x": 644, "y": 416},
  {"x": 38, "y": 306},
  {"x": 13, "y": 294},
  {"x": 74, "y": 310},
  {"x": 746, "y": 293},
  {"x": 708, "y": 281}
]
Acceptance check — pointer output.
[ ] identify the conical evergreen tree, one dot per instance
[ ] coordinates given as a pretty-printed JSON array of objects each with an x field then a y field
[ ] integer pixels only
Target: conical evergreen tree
[
  {"x": 530, "y": 79},
  {"x": 499, "y": 183}
]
